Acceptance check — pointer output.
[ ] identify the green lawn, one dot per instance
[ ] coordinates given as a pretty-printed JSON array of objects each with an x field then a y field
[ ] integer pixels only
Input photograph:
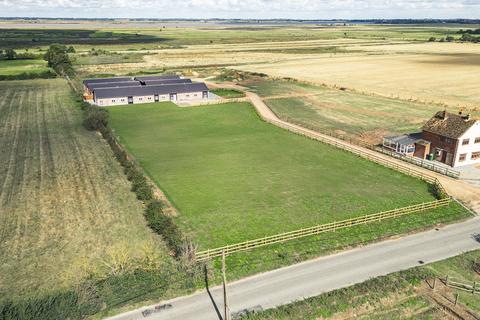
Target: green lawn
[
  {"x": 322, "y": 108},
  {"x": 234, "y": 177},
  {"x": 228, "y": 93},
  {"x": 14, "y": 67}
]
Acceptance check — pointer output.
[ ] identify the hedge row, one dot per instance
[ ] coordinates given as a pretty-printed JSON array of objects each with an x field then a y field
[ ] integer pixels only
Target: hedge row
[
  {"x": 96, "y": 118},
  {"x": 48, "y": 74}
]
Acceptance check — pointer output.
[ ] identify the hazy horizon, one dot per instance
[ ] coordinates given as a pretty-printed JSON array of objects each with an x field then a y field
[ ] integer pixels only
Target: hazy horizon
[{"x": 243, "y": 9}]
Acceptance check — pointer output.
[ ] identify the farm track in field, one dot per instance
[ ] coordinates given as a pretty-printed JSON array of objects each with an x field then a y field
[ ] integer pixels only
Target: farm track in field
[{"x": 66, "y": 206}]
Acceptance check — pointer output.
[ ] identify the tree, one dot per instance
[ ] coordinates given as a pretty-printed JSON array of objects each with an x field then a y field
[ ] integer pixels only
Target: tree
[
  {"x": 449, "y": 38},
  {"x": 58, "y": 59},
  {"x": 432, "y": 39},
  {"x": 71, "y": 49},
  {"x": 10, "y": 54}
]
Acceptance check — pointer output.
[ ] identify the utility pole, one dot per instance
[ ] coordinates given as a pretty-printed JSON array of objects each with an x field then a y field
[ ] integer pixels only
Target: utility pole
[{"x": 226, "y": 313}]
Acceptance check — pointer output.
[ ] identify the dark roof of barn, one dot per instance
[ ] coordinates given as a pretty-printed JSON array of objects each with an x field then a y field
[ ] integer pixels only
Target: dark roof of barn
[
  {"x": 102, "y": 80},
  {"x": 94, "y": 86},
  {"x": 149, "y": 90},
  {"x": 166, "y": 81},
  {"x": 162, "y": 77},
  {"x": 447, "y": 124}
]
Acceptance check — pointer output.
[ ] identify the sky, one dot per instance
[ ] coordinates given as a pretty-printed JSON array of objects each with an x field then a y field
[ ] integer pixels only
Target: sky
[{"x": 256, "y": 9}]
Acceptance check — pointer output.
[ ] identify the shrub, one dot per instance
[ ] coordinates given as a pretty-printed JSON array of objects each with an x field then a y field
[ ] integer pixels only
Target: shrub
[
  {"x": 432, "y": 39},
  {"x": 437, "y": 190},
  {"x": 164, "y": 226},
  {"x": 144, "y": 192},
  {"x": 96, "y": 118},
  {"x": 58, "y": 305}
]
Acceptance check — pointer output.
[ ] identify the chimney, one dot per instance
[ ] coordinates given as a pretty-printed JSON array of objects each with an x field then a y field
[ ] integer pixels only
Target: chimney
[{"x": 443, "y": 115}]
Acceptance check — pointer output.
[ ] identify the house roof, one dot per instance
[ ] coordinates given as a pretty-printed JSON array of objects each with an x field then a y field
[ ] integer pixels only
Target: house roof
[
  {"x": 103, "y": 93},
  {"x": 162, "y": 77},
  {"x": 166, "y": 81},
  {"x": 449, "y": 125},
  {"x": 94, "y": 86},
  {"x": 102, "y": 80},
  {"x": 405, "y": 139}
]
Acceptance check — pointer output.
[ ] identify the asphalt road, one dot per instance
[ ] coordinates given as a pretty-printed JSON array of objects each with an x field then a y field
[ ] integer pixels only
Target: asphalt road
[{"x": 321, "y": 275}]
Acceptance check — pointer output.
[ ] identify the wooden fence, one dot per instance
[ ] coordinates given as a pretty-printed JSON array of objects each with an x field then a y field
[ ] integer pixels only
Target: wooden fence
[
  {"x": 430, "y": 165},
  {"x": 472, "y": 287},
  {"x": 356, "y": 150},
  {"x": 328, "y": 227}
]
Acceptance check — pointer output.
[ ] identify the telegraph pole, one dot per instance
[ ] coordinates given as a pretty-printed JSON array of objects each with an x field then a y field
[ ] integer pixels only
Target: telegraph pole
[{"x": 226, "y": 313}]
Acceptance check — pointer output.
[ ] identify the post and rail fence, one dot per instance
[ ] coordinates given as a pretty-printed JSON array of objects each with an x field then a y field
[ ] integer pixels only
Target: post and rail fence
[
  {"x": 337, "y": 225},
  {"x": 328, "y": 227},
  {"x": 473, "y": 287},
  {"x": 359, "y": 142}
]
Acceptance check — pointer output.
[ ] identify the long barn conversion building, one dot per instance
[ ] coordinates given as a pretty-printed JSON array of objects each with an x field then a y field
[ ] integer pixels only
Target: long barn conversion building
[{"x": 144, "y": 89}]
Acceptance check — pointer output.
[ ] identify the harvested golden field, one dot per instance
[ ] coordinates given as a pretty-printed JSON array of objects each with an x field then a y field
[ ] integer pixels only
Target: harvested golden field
[
  {"x": 66, "y": 207},
  {"x": 228, "y": 54},
  {"x": 450, "y": 79}
]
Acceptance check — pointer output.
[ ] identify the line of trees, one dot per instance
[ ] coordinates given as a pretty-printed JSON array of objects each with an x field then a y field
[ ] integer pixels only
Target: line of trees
[
  {"x": 59, "y": 60},
  {"x": 10, "y": 54}
]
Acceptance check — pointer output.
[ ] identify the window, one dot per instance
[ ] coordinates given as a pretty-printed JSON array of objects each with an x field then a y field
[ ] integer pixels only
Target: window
[
  {"x": 462, "y": 157},
  {"x": 446, "y": 140},
  {"x": 475, "y": 155},
  {"x": 465, "y": 142},
  {"x": 140, "y": 99},
  {"x": 410, "y": 149},
  {"x": 477, "y": 140}
]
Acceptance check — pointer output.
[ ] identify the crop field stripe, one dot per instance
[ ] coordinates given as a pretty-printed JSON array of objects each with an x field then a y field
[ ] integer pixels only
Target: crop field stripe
[{"x": 12, "y": 155}]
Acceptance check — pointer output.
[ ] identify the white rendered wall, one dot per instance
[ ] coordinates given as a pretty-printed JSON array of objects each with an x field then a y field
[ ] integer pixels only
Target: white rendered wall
[{"x": 472, "y": 133}]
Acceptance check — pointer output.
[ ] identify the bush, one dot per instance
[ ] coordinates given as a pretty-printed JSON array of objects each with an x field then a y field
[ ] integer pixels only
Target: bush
[
  {"x": 432, "y": 39},
  {"x": 144, "y": 192},
  {"x": 164, "y": 226},
  {"x": 96, "y": 118},
  {"x": 58, "y": 305},
  {"x": 438, "y": 191}
]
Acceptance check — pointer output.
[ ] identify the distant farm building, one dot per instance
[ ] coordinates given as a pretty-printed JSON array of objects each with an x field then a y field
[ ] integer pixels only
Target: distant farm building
[
  {"x": 453, "y": 139},
  {"x": 145, "y": 89}
]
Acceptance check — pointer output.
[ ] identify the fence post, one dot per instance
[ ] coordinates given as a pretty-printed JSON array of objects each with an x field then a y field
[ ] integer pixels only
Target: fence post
[
  {"x": 474, "y": 284},
  {"x": 456, "y": 298},
  {"x": 434, "y": 283},
  {"x": 446, "y": 280}
]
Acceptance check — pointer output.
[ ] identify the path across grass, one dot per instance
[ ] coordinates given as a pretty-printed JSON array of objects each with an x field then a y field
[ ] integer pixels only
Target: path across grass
[{"x": 234, "y": 177}]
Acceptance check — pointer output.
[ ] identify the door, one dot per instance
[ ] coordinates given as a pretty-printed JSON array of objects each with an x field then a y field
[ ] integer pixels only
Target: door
[
  {"x": 130, "y": 100},
  {"x": 205, "y": 94},
  {"x": 443, "y": 157},
  {"x": 173, "y": 97},
  {"x": 156, "y": 98}
]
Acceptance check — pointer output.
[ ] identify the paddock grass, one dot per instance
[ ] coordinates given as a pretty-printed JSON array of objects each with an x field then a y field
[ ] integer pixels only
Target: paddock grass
[
  {"x": 342, "y": 111},
  {"x": 15, "y": 67},
  {"x": 228, "y": 93},
  {"x": 233, "y": 177}
]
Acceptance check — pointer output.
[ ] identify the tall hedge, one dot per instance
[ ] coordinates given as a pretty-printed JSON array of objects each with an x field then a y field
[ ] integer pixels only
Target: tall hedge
[{"x": 165, "y": 226}]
